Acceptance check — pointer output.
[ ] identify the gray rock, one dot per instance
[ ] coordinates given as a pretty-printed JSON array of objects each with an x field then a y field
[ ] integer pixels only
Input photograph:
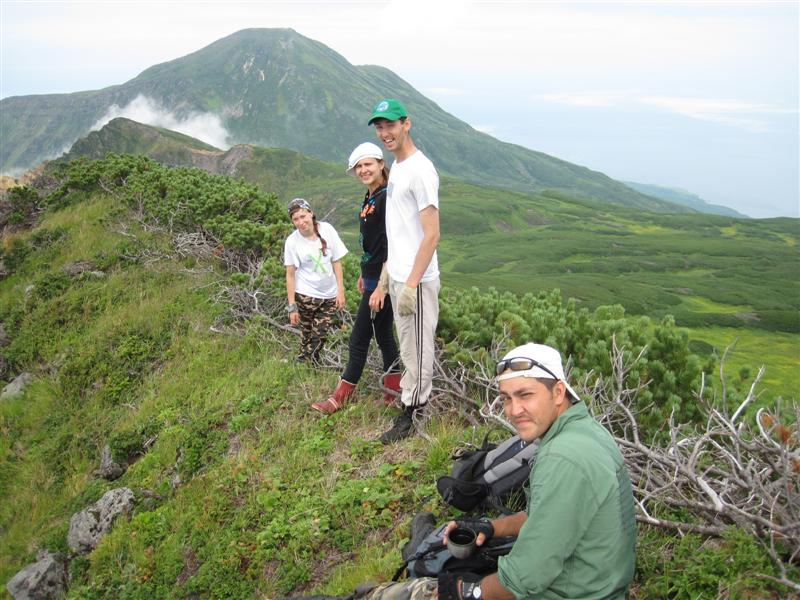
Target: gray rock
[
  {"x": 42, "y": 580},
  {"x": 88, "y": 527},
  {"x": 78, "y": 268},
  {"x": 109, "y": 469},
  {"x": 4, "y": 339},
  {"x": 16, "y": 387}
]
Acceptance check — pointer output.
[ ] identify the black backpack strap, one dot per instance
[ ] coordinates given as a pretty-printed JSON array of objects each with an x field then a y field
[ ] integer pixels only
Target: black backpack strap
[{"x": 417, "y": 556}]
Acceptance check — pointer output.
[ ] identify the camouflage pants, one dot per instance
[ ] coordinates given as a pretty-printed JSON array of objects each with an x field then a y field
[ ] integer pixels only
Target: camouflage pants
[
  {"x": 316, "y": 319},
  {"x": 423, "y": 588}
]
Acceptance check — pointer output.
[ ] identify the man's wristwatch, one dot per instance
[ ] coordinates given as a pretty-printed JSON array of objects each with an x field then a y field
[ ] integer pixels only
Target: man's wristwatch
[
  {"x": 471, "y": 590},
  {"x": 290, "y": 308}
]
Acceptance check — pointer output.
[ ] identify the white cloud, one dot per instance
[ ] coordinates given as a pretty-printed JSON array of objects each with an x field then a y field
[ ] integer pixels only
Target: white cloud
[{"x": 206, "y": 127}]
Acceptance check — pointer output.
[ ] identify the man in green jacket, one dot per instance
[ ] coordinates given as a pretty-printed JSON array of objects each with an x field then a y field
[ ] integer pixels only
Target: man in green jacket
[{"x": 577, "y": 538}]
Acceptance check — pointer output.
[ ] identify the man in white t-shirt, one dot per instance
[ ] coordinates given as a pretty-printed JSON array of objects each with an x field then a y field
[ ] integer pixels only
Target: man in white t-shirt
[{"x": 411, "y": 271}]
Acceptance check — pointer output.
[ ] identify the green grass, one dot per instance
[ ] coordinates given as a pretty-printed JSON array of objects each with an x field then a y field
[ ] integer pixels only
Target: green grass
[
  {"x": 230, "y": 418},
  {"x": 252, "y": 494}
]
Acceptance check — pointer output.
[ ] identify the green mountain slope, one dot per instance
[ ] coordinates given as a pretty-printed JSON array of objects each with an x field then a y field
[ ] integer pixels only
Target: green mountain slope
[
  {"x": 684, "y": 198},
  {"x": 124, "y": 136},
  {"x": 703, "y": 269},
  {"x": 241, "y": 490},
  {"x": 276, "y": 88}
]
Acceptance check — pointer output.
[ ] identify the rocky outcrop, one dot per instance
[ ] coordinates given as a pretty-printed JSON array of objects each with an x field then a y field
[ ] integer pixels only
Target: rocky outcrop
[
  {"x": 42, "y": 580},
  {"x": 82, "y": 267},
  {"x": 77, "y": 268},
  {"x": 231, "y": 159},
  {"x": 89, "y": 526},
  {"x": 16, "y": 387}
]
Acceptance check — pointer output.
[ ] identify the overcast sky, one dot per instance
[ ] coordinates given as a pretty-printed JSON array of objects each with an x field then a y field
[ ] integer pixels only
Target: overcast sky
[{"x": 696, "y": 95}]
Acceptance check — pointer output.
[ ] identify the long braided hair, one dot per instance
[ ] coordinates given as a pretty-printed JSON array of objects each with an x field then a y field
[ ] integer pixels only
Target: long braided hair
[{"x": 321, "y": 239}]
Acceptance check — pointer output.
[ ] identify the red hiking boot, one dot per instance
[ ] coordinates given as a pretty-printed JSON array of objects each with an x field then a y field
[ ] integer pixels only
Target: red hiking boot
[
  {"x": 390, "y": 384},
  {"x": 337, "y": 399}
]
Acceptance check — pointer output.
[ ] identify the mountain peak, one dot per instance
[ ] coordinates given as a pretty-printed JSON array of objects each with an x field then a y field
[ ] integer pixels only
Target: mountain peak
[{"x": 276, "y": 88}]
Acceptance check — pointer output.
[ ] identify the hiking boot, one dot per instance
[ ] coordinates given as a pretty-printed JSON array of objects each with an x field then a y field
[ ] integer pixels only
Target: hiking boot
[
  {"x": 337, "y": 399},
  {"x": 422, "y": 525},
  {"x": 401, "y": 428},
  {"x": 390, "y": 384}
]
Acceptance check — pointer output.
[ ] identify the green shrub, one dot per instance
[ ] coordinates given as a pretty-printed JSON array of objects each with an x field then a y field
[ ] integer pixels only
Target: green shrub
[
  {"x": 128, "y": 442},
  {"x": 692, "y": 566},
  {"x": 470, "y": 320}
]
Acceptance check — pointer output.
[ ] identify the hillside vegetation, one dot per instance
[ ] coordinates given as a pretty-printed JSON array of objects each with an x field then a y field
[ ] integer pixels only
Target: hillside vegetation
[
  {"x": 243, "y": 491},
  {"x": 739, "y": 276}
]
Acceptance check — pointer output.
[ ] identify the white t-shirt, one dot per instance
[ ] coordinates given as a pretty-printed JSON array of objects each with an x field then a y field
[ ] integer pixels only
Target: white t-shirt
[
  {"x": 413, "y": 186},
  {"x": 314, "y": 275}
]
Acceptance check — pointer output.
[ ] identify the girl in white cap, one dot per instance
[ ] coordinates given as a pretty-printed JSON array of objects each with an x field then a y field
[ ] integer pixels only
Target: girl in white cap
[
  {"x": 312, "y": 255},
  {"x": 374, "y": 316}
]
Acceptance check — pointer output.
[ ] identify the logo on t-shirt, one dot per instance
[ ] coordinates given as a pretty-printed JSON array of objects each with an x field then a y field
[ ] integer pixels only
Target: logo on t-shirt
[{"x": 318, "y": 265}]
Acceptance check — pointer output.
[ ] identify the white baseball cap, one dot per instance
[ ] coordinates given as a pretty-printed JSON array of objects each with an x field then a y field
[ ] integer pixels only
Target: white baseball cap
[
  {"x": 533, "y": 360},
  {"x": 362, "y": 151}
]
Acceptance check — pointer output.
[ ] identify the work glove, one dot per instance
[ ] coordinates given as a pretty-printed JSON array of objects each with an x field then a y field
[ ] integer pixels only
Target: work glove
[
  {"x": 479, "y": 526},
  {"x": 407, "y": 301},
  {"x": 383, "y": 281}
]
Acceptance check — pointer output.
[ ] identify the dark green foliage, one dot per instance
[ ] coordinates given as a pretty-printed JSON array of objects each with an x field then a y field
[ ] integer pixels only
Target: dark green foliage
[
  {"x": 691, "y": 566},
  {"x": 205, "y": 442},
  {"x": 24, "y": 203},
  {"x": 469, "y": 320},
  {"x": 20, "y": 248},
  {"x": 50, "y": 285},
  {"x": 236, "y": 213},
  {"x": 112, "y": 367},
  {"x": 127, "y": 443}
]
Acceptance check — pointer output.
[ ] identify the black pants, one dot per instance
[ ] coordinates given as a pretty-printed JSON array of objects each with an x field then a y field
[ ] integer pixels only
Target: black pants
[{"x": 362, "y": 334}]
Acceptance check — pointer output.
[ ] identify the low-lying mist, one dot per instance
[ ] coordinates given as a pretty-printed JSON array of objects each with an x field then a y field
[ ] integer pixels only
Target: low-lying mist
[{"x": 206, "y": 127}]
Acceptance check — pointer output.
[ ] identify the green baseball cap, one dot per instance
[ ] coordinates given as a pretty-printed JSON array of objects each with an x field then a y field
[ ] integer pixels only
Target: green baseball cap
[{"x": 388, "y": 109}]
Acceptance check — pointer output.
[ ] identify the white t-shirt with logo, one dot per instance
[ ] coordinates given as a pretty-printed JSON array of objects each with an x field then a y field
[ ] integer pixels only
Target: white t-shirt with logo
[
  {"x": 314, "y": 272},
  {"x": 413, "y": 186}
]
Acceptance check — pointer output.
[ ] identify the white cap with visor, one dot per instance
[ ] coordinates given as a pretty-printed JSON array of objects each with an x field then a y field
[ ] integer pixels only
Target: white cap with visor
[{"x": 533, "y": 360}]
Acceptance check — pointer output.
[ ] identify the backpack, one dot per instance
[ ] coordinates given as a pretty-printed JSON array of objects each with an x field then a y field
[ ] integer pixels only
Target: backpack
[
  {"x": 491, "y": 476},
  {"x": 432, "y": 557}
]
